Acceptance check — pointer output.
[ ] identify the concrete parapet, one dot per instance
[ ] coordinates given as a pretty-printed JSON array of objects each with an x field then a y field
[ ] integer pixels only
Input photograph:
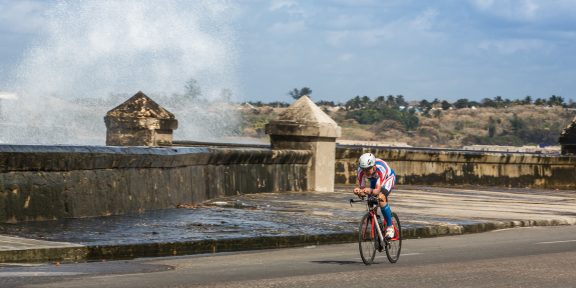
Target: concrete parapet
[
  {"x": 53, "y": 182},
  {"x": 441, "y": 168},
  {"x": 304, "y": 126}
]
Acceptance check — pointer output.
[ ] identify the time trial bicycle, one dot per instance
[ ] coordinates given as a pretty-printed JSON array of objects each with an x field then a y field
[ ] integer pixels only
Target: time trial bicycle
[{"x": 370, "y": 237}]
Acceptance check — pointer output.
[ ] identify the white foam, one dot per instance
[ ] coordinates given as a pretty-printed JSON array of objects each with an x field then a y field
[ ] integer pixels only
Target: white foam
[{"x": 93, "y": 55}]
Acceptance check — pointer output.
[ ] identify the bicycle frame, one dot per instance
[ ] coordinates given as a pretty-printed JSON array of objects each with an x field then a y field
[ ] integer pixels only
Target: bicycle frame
[
  {"x": 372, "y": 204},
  {"x": 373, "y": 214}
]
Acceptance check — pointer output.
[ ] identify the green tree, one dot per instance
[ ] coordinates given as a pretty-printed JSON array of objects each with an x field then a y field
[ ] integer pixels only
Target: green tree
[
  {"x": 555, "y": 101},
  {"x": 474, "y": 104},
  {"x": 425, "y": 105},
  {"x": 487, "y": 102},
  {"x": 365, "y": 101},
  {"x": 516, "y": 123},
  {"x": 390, "y": 101},
  {"x": 498, "y": 101},
  {"x": 400, "y": 101},
  {"x": 365, "y": 116},
  {"x": 380, "y": 102},
  {"x": 462, "y": 103},
  {"x": 353, "y": 103},
  {"x": 410, "y": 120},
  {"x": 540, "y": 102},
  {"x": 325, "y": 103},
  {"x": 297, "y": 93},
  {"x": 445, "y": 105}
]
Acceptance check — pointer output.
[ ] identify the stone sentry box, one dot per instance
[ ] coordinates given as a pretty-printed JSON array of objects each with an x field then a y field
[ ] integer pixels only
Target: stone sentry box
[
  {"x": 139, "y": 122},
  {"x": 304, "y": 126},
  {"x": 567, "y": 139}
]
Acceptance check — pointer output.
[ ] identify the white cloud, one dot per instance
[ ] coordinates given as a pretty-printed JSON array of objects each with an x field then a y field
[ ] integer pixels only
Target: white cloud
[
  {"x": 374, "y": 37},
  {"x": 403, "y": 30},
  {"x": 483, "y": 4},
  {"x": 400, "y": 33},
  {"x": 345, "y": 21},
  {"x": 336, "y": 38},
  {"x": 288, "y": 27},
  {"x": 528, "y": 10},
  {"x": 291, "y": 7},
  {"x": 345, "y": 57},
  {"x": 509, "y": 9},
  {"x": 282, "y": 4},
  {"x": 514, "y": 46},
  {"x": 22, "y": 16},
  {"x": 356, "y": 2},
  {"x": 425, "y": 20}
]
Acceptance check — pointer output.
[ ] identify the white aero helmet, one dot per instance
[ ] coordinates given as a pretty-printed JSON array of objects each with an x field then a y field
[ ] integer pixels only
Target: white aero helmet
[{"x": 367, "y": 160}]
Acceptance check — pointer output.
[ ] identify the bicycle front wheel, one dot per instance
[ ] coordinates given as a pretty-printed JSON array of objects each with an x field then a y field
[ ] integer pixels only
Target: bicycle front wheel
[
  {"x": 394, "y": 245},
  {"x": 366, "y": 239}
]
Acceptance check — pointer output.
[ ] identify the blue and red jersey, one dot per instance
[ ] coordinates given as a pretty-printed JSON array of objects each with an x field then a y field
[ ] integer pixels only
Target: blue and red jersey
[{"x": 383, "y": 176}]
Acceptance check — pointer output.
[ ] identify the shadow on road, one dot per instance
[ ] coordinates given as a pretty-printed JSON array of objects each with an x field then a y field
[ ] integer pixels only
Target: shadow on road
[{"x": 339, "y": 262}]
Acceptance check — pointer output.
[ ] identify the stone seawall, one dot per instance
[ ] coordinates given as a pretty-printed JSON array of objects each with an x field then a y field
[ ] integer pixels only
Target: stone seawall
[
  {"x": 459, "y": 167},
  {"x": 53, "y": 182}
]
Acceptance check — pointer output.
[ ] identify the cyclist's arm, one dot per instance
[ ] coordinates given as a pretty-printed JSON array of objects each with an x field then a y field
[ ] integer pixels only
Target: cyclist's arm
[
  {"x": 377, "y": 189},
  {"x": 357, "y": 187},
  {"x": 358, "y": 190}
]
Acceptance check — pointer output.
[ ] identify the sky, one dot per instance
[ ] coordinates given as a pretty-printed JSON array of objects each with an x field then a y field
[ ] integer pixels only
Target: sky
[{"x": 422, "y": 49}]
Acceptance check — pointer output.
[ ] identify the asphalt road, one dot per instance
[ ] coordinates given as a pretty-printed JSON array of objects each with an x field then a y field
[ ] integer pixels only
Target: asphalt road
[{"x": 519, "y": 257}]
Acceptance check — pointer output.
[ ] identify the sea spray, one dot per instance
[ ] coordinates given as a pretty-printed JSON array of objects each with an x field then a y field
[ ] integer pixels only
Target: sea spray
[{"x": 93, "y": 55}]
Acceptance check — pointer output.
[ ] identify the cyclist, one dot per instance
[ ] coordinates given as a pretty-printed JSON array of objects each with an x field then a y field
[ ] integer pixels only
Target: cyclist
[{"x": 375, "y": 177}]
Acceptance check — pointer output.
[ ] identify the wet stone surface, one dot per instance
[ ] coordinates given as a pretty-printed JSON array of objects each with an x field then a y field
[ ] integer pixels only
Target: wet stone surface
[
  {"x": 211, "y": 221},
  {"x": 303, "y": 213}
]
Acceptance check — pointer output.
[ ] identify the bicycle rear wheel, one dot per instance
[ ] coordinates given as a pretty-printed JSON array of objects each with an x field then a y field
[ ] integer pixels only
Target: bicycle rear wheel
[
  {"x": 394, "y": 245},
  {"x": 366, "y": 239}
]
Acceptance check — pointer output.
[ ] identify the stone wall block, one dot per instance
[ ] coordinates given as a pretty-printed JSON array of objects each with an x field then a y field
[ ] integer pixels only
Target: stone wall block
[
  {"x": 44, "y": 182},
  {"x": 442, "y": 168}
]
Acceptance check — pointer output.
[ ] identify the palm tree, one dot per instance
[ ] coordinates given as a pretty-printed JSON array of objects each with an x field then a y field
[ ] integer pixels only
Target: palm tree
[{"x": 296, "y": 94}]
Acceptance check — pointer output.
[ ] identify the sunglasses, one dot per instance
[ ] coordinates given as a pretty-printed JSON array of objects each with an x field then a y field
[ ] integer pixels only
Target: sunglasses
[{"x": 369, "y": 169}]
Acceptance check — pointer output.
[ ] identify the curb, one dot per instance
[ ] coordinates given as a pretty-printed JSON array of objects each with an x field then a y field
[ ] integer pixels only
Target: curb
[
  {"x": 37, "y": 255},
  {"x": 131, "y": 251}
]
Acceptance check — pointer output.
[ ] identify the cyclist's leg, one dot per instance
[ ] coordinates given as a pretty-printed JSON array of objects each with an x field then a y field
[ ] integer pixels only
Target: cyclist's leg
[{"x": 387, "y": 187}]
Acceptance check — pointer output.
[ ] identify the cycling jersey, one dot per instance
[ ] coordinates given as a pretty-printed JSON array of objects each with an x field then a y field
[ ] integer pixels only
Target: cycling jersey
[{"x": 383, "y": 176}]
